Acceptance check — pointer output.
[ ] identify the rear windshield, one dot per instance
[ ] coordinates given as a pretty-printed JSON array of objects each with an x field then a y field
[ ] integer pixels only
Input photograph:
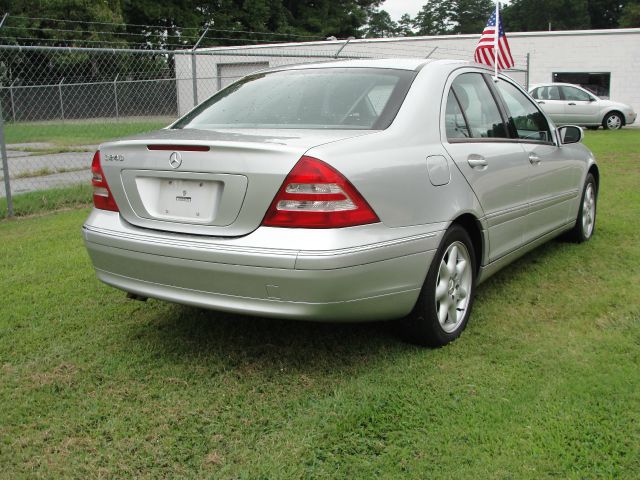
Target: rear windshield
[{"x": 331, "y": 98}]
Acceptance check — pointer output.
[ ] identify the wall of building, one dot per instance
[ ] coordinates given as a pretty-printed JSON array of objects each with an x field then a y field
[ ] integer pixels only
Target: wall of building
[{"x": 614, "y": 51}]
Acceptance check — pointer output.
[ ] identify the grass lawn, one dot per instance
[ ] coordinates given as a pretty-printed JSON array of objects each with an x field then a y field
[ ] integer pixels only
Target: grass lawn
[
  {"x": 544, "y": 383},
  {"x": 46, "y": 200},
  {"x": 75, "y": 132}
]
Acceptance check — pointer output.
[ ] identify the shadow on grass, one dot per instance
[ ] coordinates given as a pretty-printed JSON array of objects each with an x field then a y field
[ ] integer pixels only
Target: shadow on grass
[{"x": 184, "y": 334}]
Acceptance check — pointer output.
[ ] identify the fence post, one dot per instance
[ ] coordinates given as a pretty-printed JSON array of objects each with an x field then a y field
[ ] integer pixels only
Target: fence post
[
  {"x": 13, "y": 106},
  {"x": 194, "y": 79},
  {"x": 194, "y": 68},
  {"x": 528, "y": 69},
  {"x": 342, "y": 47},
  {"x": 60, "y": 95},
  {"x": 5, "y": 167},
  {"x": 115, "y": 95}
]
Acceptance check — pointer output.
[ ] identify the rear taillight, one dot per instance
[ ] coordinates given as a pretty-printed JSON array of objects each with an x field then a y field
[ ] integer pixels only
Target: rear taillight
[
  {"x": 102, "y": 197},
  {"x": 315, "y": 195}
]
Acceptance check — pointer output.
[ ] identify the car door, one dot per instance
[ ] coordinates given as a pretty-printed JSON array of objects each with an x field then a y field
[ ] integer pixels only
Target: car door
[
  {"x": 580, "y": 107},
  {"x": 495, "y": 166},
  {"x": 549, "y": 99},
  {"x": 553, "y": 173}
]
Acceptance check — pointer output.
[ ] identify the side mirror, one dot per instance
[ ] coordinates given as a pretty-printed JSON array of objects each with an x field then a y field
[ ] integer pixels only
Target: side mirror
[{"x": 570, "y": 134}]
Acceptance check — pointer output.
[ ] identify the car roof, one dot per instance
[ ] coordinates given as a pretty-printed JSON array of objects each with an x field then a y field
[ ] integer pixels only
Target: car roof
[
  {"x": 555, "y": 84},
  {"x": 413, "y": 64}
]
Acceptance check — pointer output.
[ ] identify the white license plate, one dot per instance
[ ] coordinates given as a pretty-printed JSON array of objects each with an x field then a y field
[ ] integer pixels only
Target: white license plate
[{"x": 186, "y": 199}]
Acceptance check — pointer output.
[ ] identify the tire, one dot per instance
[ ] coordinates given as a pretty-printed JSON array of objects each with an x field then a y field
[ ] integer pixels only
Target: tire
[
  {"x": 586, "y": 220},
  {"x": 423, "y": 326},
  {"x": 612, "y": 121}
]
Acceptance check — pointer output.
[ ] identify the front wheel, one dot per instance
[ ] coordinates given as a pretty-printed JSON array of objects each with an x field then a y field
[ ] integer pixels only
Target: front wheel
[
  {"x": 443, "y": 308},
  {"x": 613, "y": 121}
]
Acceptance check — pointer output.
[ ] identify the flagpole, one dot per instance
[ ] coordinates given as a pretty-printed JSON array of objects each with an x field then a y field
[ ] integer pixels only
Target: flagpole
[{"x": 496, "y": 40}]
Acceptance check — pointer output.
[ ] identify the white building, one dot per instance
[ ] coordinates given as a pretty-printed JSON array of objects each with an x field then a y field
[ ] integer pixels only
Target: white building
[{"x": 605, "y": 61}]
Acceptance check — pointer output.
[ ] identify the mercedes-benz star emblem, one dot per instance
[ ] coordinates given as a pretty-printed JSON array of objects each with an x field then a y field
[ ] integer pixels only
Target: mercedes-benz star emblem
[{"x": 175, "y": 160}]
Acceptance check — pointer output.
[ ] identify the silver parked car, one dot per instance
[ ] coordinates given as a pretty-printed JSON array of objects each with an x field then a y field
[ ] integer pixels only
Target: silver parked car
[
  {"x": 342, "y": 191},
  {"x": 571, "y": 104}
]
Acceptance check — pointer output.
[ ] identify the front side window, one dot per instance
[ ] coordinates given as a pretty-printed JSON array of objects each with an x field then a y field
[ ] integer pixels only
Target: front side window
[
  {"x": 320, "y": 98},
  {"x": 483, "y": 119},
  {"x": 526, "y": 119},
  {"x": 573, "y": 94}
]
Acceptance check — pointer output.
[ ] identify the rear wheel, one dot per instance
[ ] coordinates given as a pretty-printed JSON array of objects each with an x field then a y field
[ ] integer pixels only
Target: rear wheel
[
  {"x": 612, "y": 121},
  {"x": 445, "y": 302},
  {"x": 586, "y": 220}
]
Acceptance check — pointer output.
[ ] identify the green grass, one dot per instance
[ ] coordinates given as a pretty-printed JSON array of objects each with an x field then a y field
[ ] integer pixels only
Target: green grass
[
  {"x": 544, "y": 383},
  {"x": 64, "y": 134},
  {"x": 51, "y": 150},
  {"x": 47, "y": 200}
]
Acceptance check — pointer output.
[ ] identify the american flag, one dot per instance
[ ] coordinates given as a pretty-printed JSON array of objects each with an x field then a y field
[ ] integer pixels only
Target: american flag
[{"x": 484, "y": 49}]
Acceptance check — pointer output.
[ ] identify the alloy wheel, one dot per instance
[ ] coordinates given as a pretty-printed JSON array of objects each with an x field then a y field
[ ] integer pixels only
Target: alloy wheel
[
  {"x": 453, "y": 286},
  {"x": 588, "y": 210}
]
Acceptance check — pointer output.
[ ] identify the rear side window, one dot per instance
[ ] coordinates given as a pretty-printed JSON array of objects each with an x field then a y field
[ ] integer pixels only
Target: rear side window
[
  {"x": 455, "y": 122},
  {"x": 478, "y": 107},
  {"x": 315, "y": 98},
  {"x": 525, "y": 118},
  {"x": 546, "y": 93}
]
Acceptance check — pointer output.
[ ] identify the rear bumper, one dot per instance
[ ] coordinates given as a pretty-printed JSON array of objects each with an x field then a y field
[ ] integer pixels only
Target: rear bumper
[
  {"x": 363, "y": 273},
  {"x": 630, "y": 118}
]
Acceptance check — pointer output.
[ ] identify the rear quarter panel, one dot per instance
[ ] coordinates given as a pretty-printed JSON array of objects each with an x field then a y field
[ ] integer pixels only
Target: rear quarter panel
[{"x": 389, "y": 168}]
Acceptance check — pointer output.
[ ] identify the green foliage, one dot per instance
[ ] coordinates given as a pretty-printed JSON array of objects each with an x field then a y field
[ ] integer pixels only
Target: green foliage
[
  {"x": 630, "y": 17},
  {"x": 439, "y": 17},
  {"x": 381, "y": 25},
  {"x": 434, "y": 18},
  {"x": 470, "y": 16},
  {"x": 405, "y": 26},
  {"x": 532, "y": 15}
]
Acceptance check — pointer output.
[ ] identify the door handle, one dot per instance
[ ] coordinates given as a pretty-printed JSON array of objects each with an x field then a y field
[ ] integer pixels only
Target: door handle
[
  {"x": 541, "y": 102},
  {"x": 477, "y": 161},
  {"x": 534, "y": 159},
  {"x": 571, "y": 103}
]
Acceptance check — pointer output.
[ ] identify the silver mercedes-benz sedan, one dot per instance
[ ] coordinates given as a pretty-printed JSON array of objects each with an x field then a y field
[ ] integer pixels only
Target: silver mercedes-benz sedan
[{"x": 342, "y": 191}]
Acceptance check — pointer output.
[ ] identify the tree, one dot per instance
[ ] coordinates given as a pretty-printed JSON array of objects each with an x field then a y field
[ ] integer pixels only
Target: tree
[
  {"x": 630, "y": 17},
  {"x": 405, "y": 26},
  {"x": 538, "y": 15},
  {"x": 605, "y": 13},
  {"x": 380, "y": 25},
  {"x": 434, "y": 18},
  {"x": 470, "y": 16}
]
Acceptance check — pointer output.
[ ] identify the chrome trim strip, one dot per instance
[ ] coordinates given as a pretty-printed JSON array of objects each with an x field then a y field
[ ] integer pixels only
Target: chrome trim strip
[{"x": 551, "y": 200}]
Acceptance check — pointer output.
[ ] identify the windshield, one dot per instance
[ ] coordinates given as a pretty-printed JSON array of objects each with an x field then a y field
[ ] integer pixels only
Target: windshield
[{"x": 331, "y": 98}]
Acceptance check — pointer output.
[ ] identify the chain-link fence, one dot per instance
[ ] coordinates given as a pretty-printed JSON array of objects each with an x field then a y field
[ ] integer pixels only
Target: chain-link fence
[{"x": 59, "y": 103}]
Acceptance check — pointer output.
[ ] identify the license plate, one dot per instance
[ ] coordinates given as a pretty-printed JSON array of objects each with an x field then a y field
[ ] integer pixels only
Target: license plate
[{"x": 186, "y": 199}]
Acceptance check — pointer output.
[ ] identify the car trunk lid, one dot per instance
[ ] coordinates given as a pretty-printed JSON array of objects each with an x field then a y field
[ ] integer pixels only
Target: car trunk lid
[{"x": 205, "y": 182}]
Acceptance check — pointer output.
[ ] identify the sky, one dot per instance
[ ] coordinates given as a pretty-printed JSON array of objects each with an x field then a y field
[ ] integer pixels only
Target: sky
[{"x": 397, "y": 7}]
